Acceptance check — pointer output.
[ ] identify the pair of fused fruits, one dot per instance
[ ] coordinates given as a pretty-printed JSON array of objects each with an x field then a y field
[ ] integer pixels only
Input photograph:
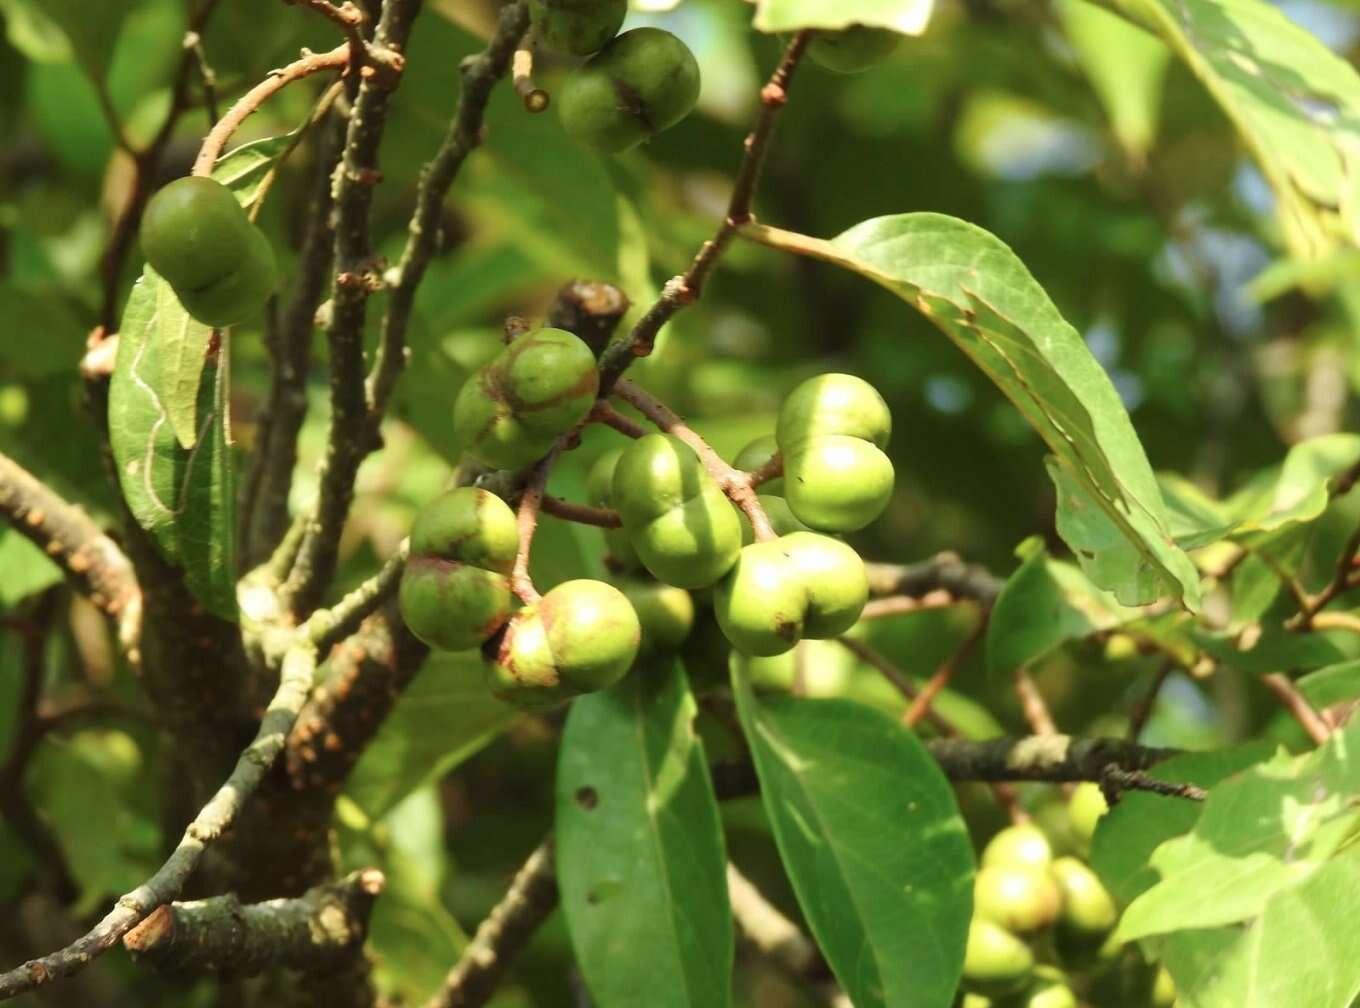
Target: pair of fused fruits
[
  {"x": 831, "y": 433},
  {"x": 455, "y": 594},
  {"x": 641, "y": 83},
  {"x": 509, "y": 413},
  {"x": 196, "y": 235}
]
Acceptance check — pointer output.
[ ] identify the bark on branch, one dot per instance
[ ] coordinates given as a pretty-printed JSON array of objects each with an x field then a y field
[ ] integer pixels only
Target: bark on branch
[{"x": 945, "y": 572}]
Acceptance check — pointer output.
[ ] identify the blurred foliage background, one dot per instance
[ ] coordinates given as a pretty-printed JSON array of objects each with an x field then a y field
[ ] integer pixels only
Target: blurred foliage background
[{"x": 1072, "y": 137}]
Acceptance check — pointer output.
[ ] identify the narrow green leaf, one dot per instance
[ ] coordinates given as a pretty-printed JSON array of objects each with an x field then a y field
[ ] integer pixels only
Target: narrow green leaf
[
  {"x": 443, "y": 717},
  {"x": 909, "y": 17},
  {"x": 182, "y": 496},
  {"x": 981, "y": 296},
  {"x": 1333, "y": 684},
  {"x": 244, "y": 169},
  {"x": 640, "y": 856},
  {"x": 182, "y": 346},
  {"x": 28, "y": 570},
  {"x": 872, "y": 840},
  {"x": 1295, "y": 102},
  {"x": 1032, "y": 616}
]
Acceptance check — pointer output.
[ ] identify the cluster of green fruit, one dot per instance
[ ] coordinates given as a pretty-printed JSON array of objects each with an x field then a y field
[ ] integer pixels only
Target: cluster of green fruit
[
  {"x": 1043, "y": 924},
  {"x": 679, "y": 530},
  {"x": 196, "y": 235},
  {"x": 631, "y": 87}
]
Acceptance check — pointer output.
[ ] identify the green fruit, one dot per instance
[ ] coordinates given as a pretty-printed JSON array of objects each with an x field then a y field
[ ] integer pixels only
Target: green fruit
[
  {"x": 833, "y": 404},
  {"x": 644, "y": 81},
  {"x": 454, "y": 592},
  {"x": 995, "y": 962},
  {"x": 549, "y": 380},
  {"x": 1021, "y": 846},
  {"x": 240, "y": 294},
  {"x": 665, "y": 614},
  {"x": 755, "y": 455},
  {"x": 1088, "y": 907},
  {"x": 580, "y": 637},
  {"x": 834, "y": 579},
  {"x": 194, "y": 233},
  {"x": 838, "y": 483},
  {"x": 599, "y": 493},
  {"x": 1022, "y": 900},
  {"x": 1084, "y": 809},
  {"x": 762, "y": 602},
  {"x": 857, "y": 48},
  {"x": 782, "y": 519},
  {"x": 578, "y": 27},
  {"x": 683, "y": 527},
  {"x": 1050, "y": 995},
  {"x": 1163, "y": 989}
]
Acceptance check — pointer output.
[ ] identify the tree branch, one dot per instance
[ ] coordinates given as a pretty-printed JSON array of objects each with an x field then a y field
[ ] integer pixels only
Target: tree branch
[
  {"x": 318, "y": 931},
  {"x": 1052, "y": 758},
  {"x": 944, "y": 572},
  {"x": 532, "y": 896},
  {"x": 1297, "y": 704},
  {"x": 92, "y": 563}
]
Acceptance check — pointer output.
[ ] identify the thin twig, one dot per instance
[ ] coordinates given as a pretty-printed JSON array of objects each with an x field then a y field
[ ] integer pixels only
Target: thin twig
[
  {"x": 526, "y": 518},
  {"x": 193, "y": 42},
  {"x": 1138, "y": 717},
  {"x": 926, "y": 696},
  {"x": 582, "y": 514},
  {"x": 943, "y": 572},
  {"x": 899, "y": 605},
  {"x": 774, "y": 935},
  {"x": 772, "y": 468},
  {"x": 326, "y": 627},
  {"x": 522, "y": 77},
  {"x": 1032, "y": 704},
  {"x": 606, "y": 414},
  {"x": 882, "y": 664},
  {"x": 348, "y": 18},
  {"x": 685, "y": 290},
  {"x": 1297, "y": 704},
  {"x": 1114, "y": 781}
]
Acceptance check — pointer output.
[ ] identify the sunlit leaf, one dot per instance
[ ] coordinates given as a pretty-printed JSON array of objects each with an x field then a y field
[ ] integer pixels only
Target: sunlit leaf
[{"x": 909, "y": 17}]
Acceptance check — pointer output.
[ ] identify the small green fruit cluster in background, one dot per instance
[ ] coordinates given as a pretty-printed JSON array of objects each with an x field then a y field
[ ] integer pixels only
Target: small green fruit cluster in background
[
  {"x": 831, "y": 431},
  {"x": 220, "y": 265},
  {"x": 455, "y": 591},
  {"x": 509, "y": 413},
  {"x": 1042, "y": 925},
  {"x": 576, "y": 27},
  {"x": 642, "y": 82},
  {"x": 856, "y": 48}
]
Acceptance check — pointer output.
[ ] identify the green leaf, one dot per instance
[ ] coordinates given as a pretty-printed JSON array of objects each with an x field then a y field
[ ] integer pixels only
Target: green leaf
[
  {"x": 1261, "y": 833},
  {"x": 34, "y": 32},
  {"x": 54, "y": 30},
  {"x": 244, "y": 169},
  {"x": 443, "y": 717},
  {"x": 1129, "y": 833},
  {"x": 872, "y": 840},
  {"x": 28, "y": 570},
  {"x": 640, "y": 856},
  {"x": 975, "y": 289},
  {"x": 1126, "y": 66},
  {"x": 1299, "y": 489},
  {"x": 1333, "y": 684},
  {"x": 909, "y": 17},
  {"x": 182, "y": 496},
  {"x": 1295, "y": 102}
]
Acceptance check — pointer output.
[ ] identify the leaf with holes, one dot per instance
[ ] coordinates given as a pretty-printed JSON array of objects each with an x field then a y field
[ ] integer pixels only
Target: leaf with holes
[
  {"x": 975, "y": 289},
  {"x": 872, "y": 840},
  {"x": 183, "y": 496},
  {"x": 639, "y": 847}
]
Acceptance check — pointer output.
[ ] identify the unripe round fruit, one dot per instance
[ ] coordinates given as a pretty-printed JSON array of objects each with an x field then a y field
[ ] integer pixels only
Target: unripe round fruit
[
  {"x": 644, "y": 81},
  {"x": 194, "y": 233},
  {"x": 762, "y": 602},
  {"x": 1084, "y": 810},
  {"x": 838, "y": 483},
  {"x": 600, "y": 493},
  {"x": 1020, "y": 846},
  {"x": 834, "y": 579},
  {"x": 833, "y": 404},
  {"x": 683, "y": 527},
  {"x": 665, "y": 614},
  {"x": 1023, "y": 900},
  {"x": 1163, "y": 989},
  {"x": 755, "y": 455},
  {"x": 1088, "y": 907},
  {"x": 454, "y": 592},
  {"x": 995, "y": 962},
  {"x": 241, "y": 293},
  {"x": 856, "y": 48},
  {"x": 578, "y": 27},
  {"x": 580, "y": 637},
  {"x": 1050, "y": 995}
]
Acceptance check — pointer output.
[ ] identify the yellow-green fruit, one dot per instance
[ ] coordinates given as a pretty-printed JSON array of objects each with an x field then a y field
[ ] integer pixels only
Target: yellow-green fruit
[
  {"x": 240, "y": 294},
  {"x": 1021, "y": 846},
  {"x": 1022, "y": 900},
  {"x": 578, "y": 27},
  {"x": 857, "y": 48},
  {"x": 684, "y": 529},
  {"x": 837, "y": 483},
  {"x": 580, "y": 637},
  {"x": 665, "y": 614},
  {"x": 194, "y": 232},
  {"x": 600, "y": 493},
  {"x": 454, "y": 592},
  {"x": 1050, "y": 995},
  {"x": 971, "y": 1000},
  {"x": 1084, "y": 810},
  {"x": 834, "y": 579},
  {"x": 1163, "y": 989},
  {"x": 1088, "y": 907},
  {"x": 644, "y": 81},
  {"x": 833, "y": 404},
  {"x": 995, "y": 962},
  {"x": 490, "y": 433},
  {"x": 762, "y": 602},
  {"x": 755, "y": 455}
]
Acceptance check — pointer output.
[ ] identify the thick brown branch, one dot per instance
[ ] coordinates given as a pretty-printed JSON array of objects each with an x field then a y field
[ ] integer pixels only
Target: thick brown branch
[
  {"x": 1297, "y": 704},
  {"x": 532, "y": 896},
  {"x": 1053, "y": 758},
  {"x": 94, "y": 565},
  {"x": 318, "y": 931},
  {"x": 943, "y": 572}
]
